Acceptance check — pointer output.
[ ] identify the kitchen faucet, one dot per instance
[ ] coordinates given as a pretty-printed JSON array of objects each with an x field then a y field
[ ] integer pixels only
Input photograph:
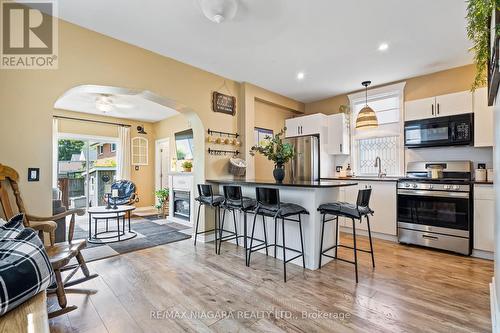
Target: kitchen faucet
[{"x": 378, "y": 164}]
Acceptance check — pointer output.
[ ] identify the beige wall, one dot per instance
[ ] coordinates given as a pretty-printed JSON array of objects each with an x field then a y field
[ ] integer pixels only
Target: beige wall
[
  {"x": 142, "y": 178},
  {"x": 167, "y": 128},
  {"x": 439, "y": 83},
  {"x": 271, "y": 117},
  {"x": 86, "y": 57},
  {"x": 250, "y": 95}
]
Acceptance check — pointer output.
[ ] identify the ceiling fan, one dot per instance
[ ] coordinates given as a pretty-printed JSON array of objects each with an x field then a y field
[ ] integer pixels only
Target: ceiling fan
[
  {"x": 218, "y": 11},
  {"x": 108, "y": 102}
]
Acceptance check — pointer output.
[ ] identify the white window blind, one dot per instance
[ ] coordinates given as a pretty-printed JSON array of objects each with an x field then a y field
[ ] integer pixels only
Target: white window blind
[
  {"x": 384, "y": 141},
  {"x": 386, "y": 108}
]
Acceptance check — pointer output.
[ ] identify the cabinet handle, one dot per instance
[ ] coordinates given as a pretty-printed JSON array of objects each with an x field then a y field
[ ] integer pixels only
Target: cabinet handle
[
  {"x": 340, "y": 147},
  {"x": 429, "y": 237},
  {"x": 432, "y": 108},
  {"x": 438, "y": 108}
]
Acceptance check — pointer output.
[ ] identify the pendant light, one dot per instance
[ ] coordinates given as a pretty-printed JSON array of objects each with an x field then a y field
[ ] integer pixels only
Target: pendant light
[{"x": 366, "y": 117}]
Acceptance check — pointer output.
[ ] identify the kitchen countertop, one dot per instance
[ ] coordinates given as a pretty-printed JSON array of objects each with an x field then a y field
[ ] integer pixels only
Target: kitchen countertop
[
  {"x": 309, "y": 184},
  {"x": 361, "y": 178}
]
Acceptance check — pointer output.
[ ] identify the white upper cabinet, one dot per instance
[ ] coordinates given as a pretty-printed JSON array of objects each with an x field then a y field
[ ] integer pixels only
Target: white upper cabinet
[
  {"x": 439, "y": 106},
  {"x": 483, "y": 119},
  {"x": 420, "y": 109},
  {"x": 338, "y": 134},
  {"x": 306, "y": 125},
  {"x": 452, "y": 104}
]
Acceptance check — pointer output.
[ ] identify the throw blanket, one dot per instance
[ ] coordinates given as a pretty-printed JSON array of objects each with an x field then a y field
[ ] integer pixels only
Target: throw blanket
[{"x": 25, "y": 269}]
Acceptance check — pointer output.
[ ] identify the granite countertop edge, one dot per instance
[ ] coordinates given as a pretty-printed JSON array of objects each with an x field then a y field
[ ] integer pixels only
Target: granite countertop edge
[
  {"x": 313, "y": 184},
  {"x": 375, "y": 179}
]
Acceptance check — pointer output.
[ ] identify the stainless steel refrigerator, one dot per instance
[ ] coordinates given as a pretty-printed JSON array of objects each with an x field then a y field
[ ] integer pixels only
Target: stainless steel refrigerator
[{"x": 305, "y": 164}]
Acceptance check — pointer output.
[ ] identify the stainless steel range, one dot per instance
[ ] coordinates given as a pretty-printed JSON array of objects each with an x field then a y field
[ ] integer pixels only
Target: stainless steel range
[{"x": 435, "y": 205}]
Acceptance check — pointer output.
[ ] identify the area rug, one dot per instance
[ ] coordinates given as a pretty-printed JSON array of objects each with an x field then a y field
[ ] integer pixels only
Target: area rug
[{"x": 149, "y": 234}]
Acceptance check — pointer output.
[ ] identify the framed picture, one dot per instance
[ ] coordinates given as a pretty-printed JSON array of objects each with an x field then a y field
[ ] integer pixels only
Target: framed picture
[
  {"x": 261, "y": 133},
  {"x": 223, "y": 103}
]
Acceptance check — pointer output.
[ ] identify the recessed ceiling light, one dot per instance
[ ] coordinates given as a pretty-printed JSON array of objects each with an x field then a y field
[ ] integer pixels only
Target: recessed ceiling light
[
  {"x": 383, "y": 47},
  {"x": 300, "y": 75}
]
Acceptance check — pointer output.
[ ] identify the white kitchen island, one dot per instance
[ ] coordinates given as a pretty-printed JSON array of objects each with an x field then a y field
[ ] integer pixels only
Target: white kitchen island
[{"x": 308, "y": 194}]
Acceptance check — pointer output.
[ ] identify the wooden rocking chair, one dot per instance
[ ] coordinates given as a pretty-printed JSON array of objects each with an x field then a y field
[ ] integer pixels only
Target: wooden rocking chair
[{"x": 60, "y": 254}]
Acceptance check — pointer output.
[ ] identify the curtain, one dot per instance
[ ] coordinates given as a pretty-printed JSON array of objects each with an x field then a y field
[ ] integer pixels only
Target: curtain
[
  {"x": 55, "y": 151},
  {"x": 123, "y": 153}
]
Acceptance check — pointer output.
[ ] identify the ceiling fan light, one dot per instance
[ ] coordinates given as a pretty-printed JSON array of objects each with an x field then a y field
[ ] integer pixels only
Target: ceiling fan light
[
  {"x": 104, "y": 104},
  {"x": 218, "y": 11}
]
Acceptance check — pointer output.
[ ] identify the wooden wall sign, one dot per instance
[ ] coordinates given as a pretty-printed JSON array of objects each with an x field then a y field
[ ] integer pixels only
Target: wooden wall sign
[{"x": 223, "y": 103}]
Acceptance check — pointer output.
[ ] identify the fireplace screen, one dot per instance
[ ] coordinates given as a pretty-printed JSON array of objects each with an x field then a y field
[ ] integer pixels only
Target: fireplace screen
[{"x": 182, "y": 207}]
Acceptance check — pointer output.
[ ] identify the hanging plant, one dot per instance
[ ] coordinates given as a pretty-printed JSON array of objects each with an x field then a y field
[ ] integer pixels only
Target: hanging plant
[{"x": 478, "y": 31}]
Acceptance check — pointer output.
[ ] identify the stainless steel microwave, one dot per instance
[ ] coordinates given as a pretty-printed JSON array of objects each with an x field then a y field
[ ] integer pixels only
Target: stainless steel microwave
[{"x": 440, "y": 131}]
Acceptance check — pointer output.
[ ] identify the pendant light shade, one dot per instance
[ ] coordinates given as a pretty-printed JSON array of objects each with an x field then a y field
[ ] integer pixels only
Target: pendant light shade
[{"x": 367, "y": 118}]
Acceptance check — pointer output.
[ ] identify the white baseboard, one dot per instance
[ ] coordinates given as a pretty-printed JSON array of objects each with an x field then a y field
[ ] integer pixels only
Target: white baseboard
[
  {"x": 378, "y": 235},
  {"x": 483, "y": 254},
  {"x": 495, "y": 315}
]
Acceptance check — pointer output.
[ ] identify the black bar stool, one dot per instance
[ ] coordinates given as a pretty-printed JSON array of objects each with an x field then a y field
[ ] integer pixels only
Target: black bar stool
[
  {"x": 268, "y": 204},
  {"x": 354, "y": 212},
  {"x": 235, "y": 201},
  {"x": 207, "y": 198}
]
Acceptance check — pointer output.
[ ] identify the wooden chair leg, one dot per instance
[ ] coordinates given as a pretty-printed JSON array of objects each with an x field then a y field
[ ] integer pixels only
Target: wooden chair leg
[
  {"x": 83, "y": 264},
  {"x": 61, "y": 295}
]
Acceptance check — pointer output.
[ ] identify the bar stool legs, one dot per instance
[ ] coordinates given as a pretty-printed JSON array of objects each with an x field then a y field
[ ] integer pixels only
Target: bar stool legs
[
  {"x": 302, "y": 244},
  {"x": 196, "y": 228},
  {"x": 284, "y": 249},
  {"x": 337, "y": 243},
  {"x": 354, "y": 248},
  {"x": 370, "y": 237}
]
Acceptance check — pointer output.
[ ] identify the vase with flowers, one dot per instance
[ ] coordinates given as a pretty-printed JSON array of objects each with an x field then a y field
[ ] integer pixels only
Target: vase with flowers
[{"x": 277, "y": 151}]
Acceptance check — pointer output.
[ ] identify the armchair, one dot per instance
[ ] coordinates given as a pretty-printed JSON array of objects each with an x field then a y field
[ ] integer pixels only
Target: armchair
[{"x": 59, "y": 254}]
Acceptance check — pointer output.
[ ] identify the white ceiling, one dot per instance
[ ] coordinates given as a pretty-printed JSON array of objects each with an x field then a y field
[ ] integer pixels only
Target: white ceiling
[
  {"x": 335, "y": 43},
  {"x": 127, "y": 104}
]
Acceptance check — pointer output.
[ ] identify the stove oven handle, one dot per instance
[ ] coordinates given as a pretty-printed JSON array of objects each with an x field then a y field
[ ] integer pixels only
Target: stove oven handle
[{"x": 439, "y": 194}]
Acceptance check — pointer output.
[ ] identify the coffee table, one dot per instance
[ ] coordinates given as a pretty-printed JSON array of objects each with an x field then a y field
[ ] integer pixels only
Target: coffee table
[{"x": 110, "y": 236}]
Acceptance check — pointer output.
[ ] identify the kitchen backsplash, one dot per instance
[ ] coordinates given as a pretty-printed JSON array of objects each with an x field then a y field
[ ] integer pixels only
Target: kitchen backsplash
[
  {"x": 476, "y": 155},
  {"x": 453, "y": 153}
]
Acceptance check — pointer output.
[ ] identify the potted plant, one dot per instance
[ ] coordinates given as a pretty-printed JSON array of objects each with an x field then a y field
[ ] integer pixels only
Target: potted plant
[
  {"x": 187, "y": 165},
  {"x": 162, "y": 196},
  {"x": 479, "y": 13},
  {"x": 275, "y": 150}
]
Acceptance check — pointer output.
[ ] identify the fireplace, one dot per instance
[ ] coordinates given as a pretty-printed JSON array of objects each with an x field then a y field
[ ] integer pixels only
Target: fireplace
[{"x": 181, "y": 205}]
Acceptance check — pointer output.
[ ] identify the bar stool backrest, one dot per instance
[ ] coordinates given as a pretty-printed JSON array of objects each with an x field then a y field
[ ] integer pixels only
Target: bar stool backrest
[
  {"x": 364, "y": 197},
  {"x": 268, "y": 197},
  {"x": 205, "y": 190},
  {"x": 233, "y": 195}
]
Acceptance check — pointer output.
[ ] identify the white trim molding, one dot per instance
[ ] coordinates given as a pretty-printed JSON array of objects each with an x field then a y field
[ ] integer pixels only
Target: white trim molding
[
  {"x": 395, "y": 129},
  {"x": 495, "y": 314}
]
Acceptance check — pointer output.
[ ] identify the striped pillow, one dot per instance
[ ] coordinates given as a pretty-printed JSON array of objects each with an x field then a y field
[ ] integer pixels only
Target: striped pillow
[
  {"x": 25, "y": 269},
  {"x": 13, "y": 227}
]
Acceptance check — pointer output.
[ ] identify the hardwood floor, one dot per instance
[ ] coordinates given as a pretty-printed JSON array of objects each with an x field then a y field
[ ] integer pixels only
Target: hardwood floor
[{"x": 411, "y": 290}]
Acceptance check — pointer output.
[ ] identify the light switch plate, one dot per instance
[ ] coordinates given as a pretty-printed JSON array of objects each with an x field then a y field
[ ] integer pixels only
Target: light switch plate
[{"x": 33, "y": 174}]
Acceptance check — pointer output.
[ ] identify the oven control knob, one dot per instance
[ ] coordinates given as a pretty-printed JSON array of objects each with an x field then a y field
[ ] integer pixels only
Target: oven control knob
[
  {"x": 447, "y": 187},
  {"x": 415, "y": 185},
  {"x": 407, "y": 185},
  {"x": 431, "y": 186},
  {"x": 456, "y": 187}
]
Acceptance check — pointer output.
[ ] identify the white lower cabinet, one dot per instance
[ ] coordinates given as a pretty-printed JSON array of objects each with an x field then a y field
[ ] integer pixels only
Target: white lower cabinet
[
  {"x": 484, "y": 217},
  {"x": 383, "y": 201}
]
